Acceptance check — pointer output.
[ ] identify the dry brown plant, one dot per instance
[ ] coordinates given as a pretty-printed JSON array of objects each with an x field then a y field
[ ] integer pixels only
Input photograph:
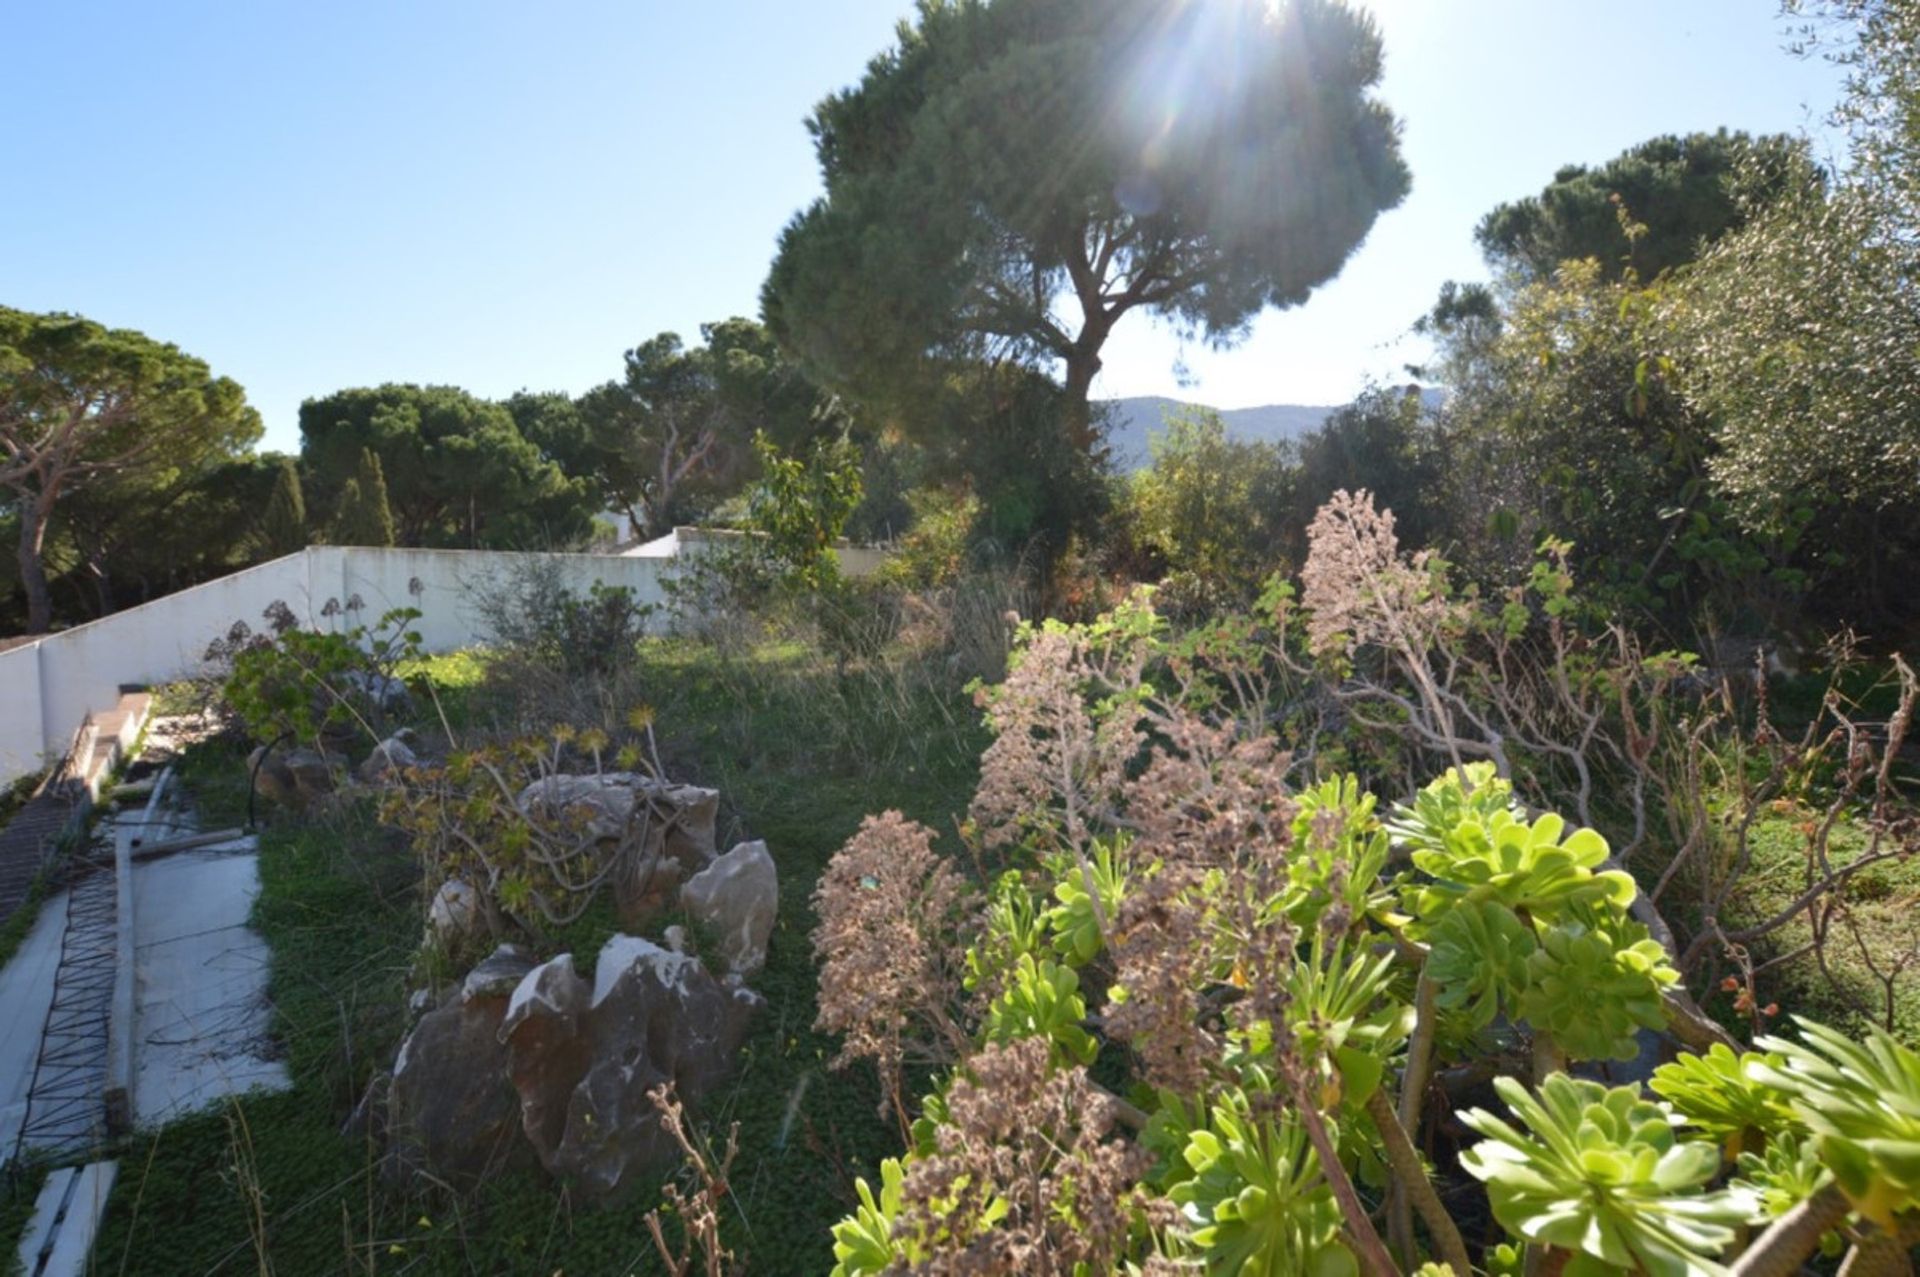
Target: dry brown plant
[
  {"x": 1034, "y": 1143},
  {"x": 698, "y": 1213},
  {"x": 889, "y": 951}
]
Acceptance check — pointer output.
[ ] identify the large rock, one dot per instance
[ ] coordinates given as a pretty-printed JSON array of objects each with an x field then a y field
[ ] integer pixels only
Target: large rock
[
  {"x": 295, "y": 779},
  {"x": 498, "y": 974},
  {"x": 583, "y": 1061},
  {"x": 600, "y": 806},
  {"x": 451, "y": 1110},
  {"x": 548, "y": 1050},
  {"x": 662, "y": 833},
  {"x": 690, "y": 815},
  {"x": 455, "y": 915},
  {"x": 391, "y": 758},
  {"x": 657, "y": 1017},
  {"x": 736, "y": 898}
]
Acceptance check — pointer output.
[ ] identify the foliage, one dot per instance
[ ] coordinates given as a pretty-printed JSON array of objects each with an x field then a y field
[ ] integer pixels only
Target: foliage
[
  {"x": 1678, "y": 188},
  {"x": 1718, "y": 1092},
  {"x": 933, "y": 551},
  {"x": 1697, "y": 368},
  {"x": 1282, "y": 993},
  {"x": 1478, "y": 960},
  {"x": 531, "y": 618},
  {"x": 283, "y": 525},
  {"x": 1007, "y": 432},
  {"x": 672, "y": 435},
  {"x": 1800, "y": 336},
  {"x": 1861, "y": 1101},
  {"x": 363, "y": 516},
  {"x": 800, "y": 506},
  {"x": 458, "y": 471},
  {"x": 81, "y": 404},
  {"x": 1254, "y": 1195},
  {"x": 306, "y": 685},
  {"x": 1009, "y": 1125},
  {"x": 887, "y": 907},
  {"x": 1594, "y": 987},
  {"x": 1382, "y": 442},
  {"x": 1601, "y": 1173},
  {"x": 1574, "y": 421},
  {"x": 1210, "y": 507},
  {"x": 1002, "y": 158},
  {"x": 497, "y": 815},
  {"x": 133, "y": 537}
]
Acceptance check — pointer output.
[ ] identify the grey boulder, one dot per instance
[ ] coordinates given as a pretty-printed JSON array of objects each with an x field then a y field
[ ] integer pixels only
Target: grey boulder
[{"x": 737, "y": 898}]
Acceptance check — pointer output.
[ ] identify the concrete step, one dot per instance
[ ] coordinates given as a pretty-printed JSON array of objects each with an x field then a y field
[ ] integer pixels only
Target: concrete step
[{"x": 115, "y": 731}]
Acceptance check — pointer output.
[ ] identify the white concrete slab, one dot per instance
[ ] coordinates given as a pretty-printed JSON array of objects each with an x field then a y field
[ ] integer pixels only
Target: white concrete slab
[
  {"x": 66, "y": 1217},
  {"x": 201, "y": 1012},
  {"x": 26, "y": 991}
]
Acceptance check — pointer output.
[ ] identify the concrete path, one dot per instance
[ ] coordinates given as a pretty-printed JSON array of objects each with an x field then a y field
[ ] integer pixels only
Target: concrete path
[
  {"x": 183, "y": 986},
  {"x": 200, "y": 1009},
  {"x": 26, "y": 991}
]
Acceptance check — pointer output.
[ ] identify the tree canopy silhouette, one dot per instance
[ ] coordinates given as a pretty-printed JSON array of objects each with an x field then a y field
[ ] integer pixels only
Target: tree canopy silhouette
[{"x": 1012, "y": 178}]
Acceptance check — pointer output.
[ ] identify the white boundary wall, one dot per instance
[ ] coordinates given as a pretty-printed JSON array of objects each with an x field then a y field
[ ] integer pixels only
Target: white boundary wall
[{"x": 48, "y": 686}]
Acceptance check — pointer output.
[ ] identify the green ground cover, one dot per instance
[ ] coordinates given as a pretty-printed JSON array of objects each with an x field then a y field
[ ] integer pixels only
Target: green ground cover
[{"x": 1869, "y": 969}]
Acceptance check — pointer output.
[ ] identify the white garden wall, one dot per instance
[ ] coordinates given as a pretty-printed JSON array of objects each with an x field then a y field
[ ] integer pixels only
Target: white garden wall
[{"x": 48, "y": 686}]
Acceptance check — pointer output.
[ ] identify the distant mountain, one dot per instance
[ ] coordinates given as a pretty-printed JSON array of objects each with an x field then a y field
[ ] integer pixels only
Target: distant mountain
[{"x": 1131, "y": 421}]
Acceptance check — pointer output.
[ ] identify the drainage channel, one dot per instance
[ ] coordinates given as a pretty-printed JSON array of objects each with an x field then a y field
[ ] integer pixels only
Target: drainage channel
[{"x": 66, "y": 1101}]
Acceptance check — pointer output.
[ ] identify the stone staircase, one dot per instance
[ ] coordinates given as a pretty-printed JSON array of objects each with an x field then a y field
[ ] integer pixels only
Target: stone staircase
[{"x": 112, "y": 736}]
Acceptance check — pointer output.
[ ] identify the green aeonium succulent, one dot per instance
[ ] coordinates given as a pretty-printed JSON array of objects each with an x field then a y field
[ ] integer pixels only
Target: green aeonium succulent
[
  {"x": 1478, "y": 961},
  {"x": 1715, "y": 1092},
  {"x": 1593, "y": 982},
  {"x": 1528, "y": 868},
  {"x": 1861, "y": 1101},
  {"x": 1252, "y": 1196},
  {"x": 1601, "y": 1173},
  {"x": 1782, "y": 1177},
  {"x": 1474, "y": 792}
]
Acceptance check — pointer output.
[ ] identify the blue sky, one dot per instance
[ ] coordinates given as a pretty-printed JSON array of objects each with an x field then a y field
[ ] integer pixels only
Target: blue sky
[{"x": 504, "y": 195}]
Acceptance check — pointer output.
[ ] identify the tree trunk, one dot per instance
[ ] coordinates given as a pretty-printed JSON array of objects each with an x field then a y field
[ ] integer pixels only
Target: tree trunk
[
  {"x": 33, "y": 568},
  {"x": 1082, "y": 366}
]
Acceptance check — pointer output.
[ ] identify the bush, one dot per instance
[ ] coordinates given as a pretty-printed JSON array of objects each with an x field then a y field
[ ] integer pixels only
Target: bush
[
  {"x": 1197, "y": 1000},
  {"x": 312, "y": 686},
  {"x": 532, "y": 618},
  {"x": 1211, "y": 510}
]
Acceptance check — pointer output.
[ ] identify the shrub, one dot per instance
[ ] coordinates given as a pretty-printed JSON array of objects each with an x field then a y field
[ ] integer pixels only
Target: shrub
[
  {"x": 1212, "y": 510},
  {"x": 532, "y": 618},
  {"x": 1254, "y": 991},
  {"x": 307, "y": 685}
]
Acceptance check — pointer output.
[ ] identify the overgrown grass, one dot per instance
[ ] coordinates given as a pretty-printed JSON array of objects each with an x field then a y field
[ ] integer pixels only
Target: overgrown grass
[
  {"x": 16, "y": 1211},
  {"x": 801, "y": 750},
  {"x": 1855, "y": 978}
]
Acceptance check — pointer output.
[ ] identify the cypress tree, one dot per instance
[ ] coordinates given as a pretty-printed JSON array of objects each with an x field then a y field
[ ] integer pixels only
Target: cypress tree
[
  {"x": 284, "y": 524},
  {"x": 364, "y": 517}
]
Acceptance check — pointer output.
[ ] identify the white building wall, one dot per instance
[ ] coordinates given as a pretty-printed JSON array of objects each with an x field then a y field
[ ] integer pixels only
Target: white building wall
[
  {"x": 20, "y": 712},
  {"x": 48, "y": 686}
]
